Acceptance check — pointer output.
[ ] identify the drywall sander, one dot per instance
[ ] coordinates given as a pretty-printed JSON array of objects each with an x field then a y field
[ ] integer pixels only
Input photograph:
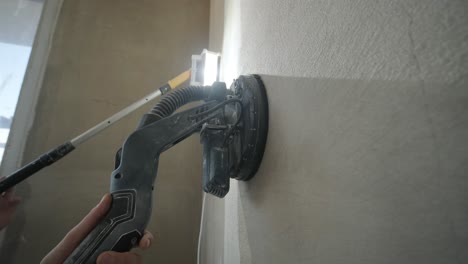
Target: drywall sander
[
  {"x": 232, "y": 124},
  {"x": 233, "y": 128}
]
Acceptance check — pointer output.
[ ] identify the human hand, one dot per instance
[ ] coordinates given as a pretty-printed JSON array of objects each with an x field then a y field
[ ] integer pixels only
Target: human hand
[
  {"x": 60, "y": 253},
  {"x": 8, "y": 204}
]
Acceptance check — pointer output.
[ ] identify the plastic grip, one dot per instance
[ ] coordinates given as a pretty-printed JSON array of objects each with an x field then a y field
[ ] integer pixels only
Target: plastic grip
[
  {"x": 132, "y": 184},
  {"x": 115, "y": 232}
]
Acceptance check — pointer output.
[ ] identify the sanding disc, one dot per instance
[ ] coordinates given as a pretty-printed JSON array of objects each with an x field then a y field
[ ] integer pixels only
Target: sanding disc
[{"x": 254, "y": 127}]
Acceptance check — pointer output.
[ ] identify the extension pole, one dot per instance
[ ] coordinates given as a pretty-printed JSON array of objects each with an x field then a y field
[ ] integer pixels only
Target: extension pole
[{"x": 61, "y": 151}]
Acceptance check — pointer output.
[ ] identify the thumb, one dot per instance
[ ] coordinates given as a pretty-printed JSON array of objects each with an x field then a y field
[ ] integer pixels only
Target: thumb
[{"x": 111, "y": 257}]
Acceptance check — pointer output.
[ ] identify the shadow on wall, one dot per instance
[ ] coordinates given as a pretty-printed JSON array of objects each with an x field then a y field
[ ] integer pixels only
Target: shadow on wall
[{"x": 358, "y": 172}]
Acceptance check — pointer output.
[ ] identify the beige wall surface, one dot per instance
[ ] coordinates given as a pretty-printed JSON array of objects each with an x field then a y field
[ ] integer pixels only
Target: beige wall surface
[
  {"x": 366, "y": 160},
  {"x": 105, "y": 55}
]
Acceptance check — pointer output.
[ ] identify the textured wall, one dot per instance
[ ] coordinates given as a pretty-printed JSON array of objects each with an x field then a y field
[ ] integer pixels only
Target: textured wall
[
  {"x": 105, "y": 55},
  {"x": 366, "y": 160}
]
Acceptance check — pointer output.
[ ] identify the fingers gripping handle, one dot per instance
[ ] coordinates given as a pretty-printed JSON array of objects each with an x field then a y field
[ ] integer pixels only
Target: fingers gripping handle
[
  {"x": 132, "y": 184},
  {"x": 116, "y": 232}
]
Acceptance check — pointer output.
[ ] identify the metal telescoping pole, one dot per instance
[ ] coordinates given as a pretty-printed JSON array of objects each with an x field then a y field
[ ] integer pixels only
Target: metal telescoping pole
[
  {"x": 113, "y": 119},
  {"x": 61, "y": 151}
]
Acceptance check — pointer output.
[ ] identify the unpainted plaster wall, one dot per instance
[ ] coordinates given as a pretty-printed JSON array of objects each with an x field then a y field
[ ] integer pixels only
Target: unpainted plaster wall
[{"x": 366, "y": 160}]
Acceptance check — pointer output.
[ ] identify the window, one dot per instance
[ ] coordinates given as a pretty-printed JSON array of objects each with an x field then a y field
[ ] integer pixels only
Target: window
[{"x": 18, "y": 24}]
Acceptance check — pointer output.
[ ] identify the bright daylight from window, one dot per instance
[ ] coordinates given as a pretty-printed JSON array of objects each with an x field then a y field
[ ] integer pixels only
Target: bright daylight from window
[{"x": 18, "y": 24}]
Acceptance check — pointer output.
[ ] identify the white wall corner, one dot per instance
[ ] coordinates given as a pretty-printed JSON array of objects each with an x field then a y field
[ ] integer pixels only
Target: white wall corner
[
  {"x": 27, "y": 101},
  {"x": 26, "y": 107}
]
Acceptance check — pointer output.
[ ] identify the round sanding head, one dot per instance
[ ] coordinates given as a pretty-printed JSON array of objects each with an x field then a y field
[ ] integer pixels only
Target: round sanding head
[{"x": 254, "y": 126}]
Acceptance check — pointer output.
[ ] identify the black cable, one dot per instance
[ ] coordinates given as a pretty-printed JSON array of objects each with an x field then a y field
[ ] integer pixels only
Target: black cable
[
  {"x": 177, "y": 98},
  {"x": 216, "y": 107}
]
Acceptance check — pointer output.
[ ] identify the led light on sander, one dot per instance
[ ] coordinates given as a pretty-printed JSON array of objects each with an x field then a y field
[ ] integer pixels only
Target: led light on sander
[{"x": 205, "y": 68}]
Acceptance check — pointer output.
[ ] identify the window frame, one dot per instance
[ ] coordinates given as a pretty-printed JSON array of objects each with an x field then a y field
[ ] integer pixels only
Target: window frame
[{"x": 25, "y": 111}]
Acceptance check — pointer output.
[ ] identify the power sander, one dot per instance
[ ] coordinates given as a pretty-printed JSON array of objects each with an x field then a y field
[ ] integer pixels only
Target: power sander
[{"x": 233, "y": 127}]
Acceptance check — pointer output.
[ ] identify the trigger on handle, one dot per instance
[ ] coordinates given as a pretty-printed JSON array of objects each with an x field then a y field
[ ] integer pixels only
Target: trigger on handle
[{"x": 118, "y": 158}]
